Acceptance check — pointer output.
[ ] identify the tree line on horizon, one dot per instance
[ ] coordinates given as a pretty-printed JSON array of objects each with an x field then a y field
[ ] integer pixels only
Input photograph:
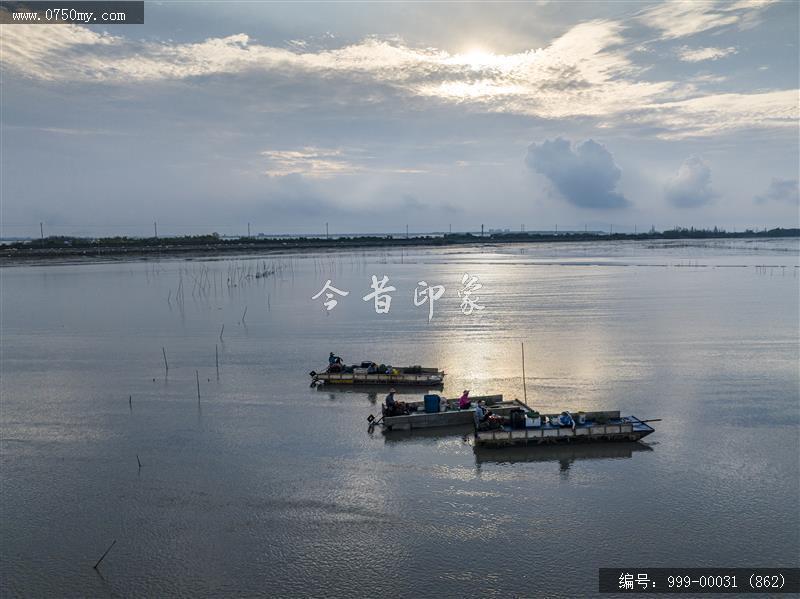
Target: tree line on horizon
[{"x": 215, "y": 239}]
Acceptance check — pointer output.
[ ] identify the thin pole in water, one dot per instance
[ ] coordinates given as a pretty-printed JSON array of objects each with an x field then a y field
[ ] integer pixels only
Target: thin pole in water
[
  {"x": 166, "y": 366},
  {"x": 524, "y": 386},
  {"x": 197, "y": 374},
  {"x": 105, "y": 554}
]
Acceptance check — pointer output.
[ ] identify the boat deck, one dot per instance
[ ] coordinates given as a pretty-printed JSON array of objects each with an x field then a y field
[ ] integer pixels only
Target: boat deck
[
  {"x": 451, "y": 417},
  {"x": 617, "y": 428},
  {"x": 405, "y": 376}
]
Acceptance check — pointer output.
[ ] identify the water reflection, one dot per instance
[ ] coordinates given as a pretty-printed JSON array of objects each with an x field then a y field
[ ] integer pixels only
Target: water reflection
[
  {"x": 296, "y": 495},
  {"x": 565, "y": 455},
  {"x": 373, "y": 391},
  {"x": 396, "y": 436}
]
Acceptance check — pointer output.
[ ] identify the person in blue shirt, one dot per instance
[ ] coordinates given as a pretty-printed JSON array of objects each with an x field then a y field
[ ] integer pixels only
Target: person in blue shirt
[
  {"x": 390, "y": 402},
  {"x": 482, "y": 414},
  {"x": 334, "y": 363},
  {"x": 394, "y": 407}
]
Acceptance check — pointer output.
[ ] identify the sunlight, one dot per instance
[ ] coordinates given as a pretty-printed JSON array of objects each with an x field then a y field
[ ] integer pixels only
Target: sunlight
[{"x": 478, "y": 58}]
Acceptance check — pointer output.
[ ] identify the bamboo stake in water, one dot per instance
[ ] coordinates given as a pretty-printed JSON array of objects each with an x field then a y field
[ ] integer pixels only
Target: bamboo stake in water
[
  {"x": 197, "y": 374},
  {"x": 105, "y": 554},
  {"x": 166, "y": 366},
  {"x": 222, "y": 330},
  {"x": 524, "y": 386},
  {"x": 130, "y": 402},
  {"x": 216, "y": 358}
]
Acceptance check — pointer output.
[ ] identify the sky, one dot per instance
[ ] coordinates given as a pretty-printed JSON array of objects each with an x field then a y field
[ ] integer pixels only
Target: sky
[{"x": 374, "y": 116}]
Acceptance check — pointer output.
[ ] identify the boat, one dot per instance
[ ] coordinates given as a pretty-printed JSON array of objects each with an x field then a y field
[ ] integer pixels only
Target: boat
[
  {"x": 536, "y": 429},
  {"x": 452, "y": 416},
  {"x": 369, "y": 373}
]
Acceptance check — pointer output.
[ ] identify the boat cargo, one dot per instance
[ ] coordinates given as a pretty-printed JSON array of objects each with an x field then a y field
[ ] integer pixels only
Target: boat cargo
[
  {"x": 444, "y": 412},
  {"x": 369, "y": 373},
  {"x": 537, "y": 429}
]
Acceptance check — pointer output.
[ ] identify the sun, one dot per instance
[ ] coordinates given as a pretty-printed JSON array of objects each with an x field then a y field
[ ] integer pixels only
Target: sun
[
  {"x": 477, "y": 57},
  {"x": 480, "y": 57}
]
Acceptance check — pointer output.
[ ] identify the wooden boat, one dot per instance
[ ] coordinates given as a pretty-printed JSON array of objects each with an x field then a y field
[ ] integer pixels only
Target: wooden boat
[
  {"x": 596, "y": 426},
  {"x": 452, "y": 416},
  {"x": 368, "y": 373}
]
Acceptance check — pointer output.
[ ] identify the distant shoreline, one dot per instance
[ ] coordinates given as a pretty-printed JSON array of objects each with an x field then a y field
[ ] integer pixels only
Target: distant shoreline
[{"x": 75, "y": 250}]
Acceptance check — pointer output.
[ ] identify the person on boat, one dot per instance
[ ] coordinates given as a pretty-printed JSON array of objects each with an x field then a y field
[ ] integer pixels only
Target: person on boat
[
  {"x": 394, "y": 407},
  {"x": 483, "y": 416},
  {"x": 390, "y": 401},
  {"x": 464, "y": 401},
  {"x": 334, "y": 363},
  {"x": 565, "y": 419}
]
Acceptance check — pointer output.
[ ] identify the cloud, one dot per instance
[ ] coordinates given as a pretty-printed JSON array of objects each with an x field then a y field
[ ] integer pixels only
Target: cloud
[
  {"x": 23, "y": 47},
  {"x": 318, "y": 163},
  {"x": 683, "y": 18},
  {"x": 585, "y": 176},
  {"x": 781, "y": 190},
  {"x": 706, "y": 116},
  {"x": 323, "y": 163},
  {"x": 687, "y": 54},
  {"x": 691, "y": 185},
  {"x": 587, "y": 72}
]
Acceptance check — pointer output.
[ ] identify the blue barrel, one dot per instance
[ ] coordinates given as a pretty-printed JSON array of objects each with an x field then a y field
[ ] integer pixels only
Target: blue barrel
[{"x": 431, "y": 404}]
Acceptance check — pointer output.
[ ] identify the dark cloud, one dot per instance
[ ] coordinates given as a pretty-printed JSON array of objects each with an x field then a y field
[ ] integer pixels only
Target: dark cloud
[
  {"x": 586, "y": 176},
  {"x": 691, "y": 185},
  {"x": 781, "y": 190}
]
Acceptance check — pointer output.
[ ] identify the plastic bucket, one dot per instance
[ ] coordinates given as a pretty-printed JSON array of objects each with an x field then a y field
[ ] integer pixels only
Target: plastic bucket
[{"x": 432, "y": 403}]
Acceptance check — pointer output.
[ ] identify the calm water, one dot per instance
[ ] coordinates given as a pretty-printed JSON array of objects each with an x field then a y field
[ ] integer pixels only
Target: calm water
[{"x": 268, "y": 487}]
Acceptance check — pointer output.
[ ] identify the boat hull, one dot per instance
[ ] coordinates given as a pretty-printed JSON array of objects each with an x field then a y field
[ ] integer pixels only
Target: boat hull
[
  {"x": 450, "y": 418},
  {"x": 406, "y": 376},
  {"x": 349, "y": 378},
  {"x": 627, "y": 428}
]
